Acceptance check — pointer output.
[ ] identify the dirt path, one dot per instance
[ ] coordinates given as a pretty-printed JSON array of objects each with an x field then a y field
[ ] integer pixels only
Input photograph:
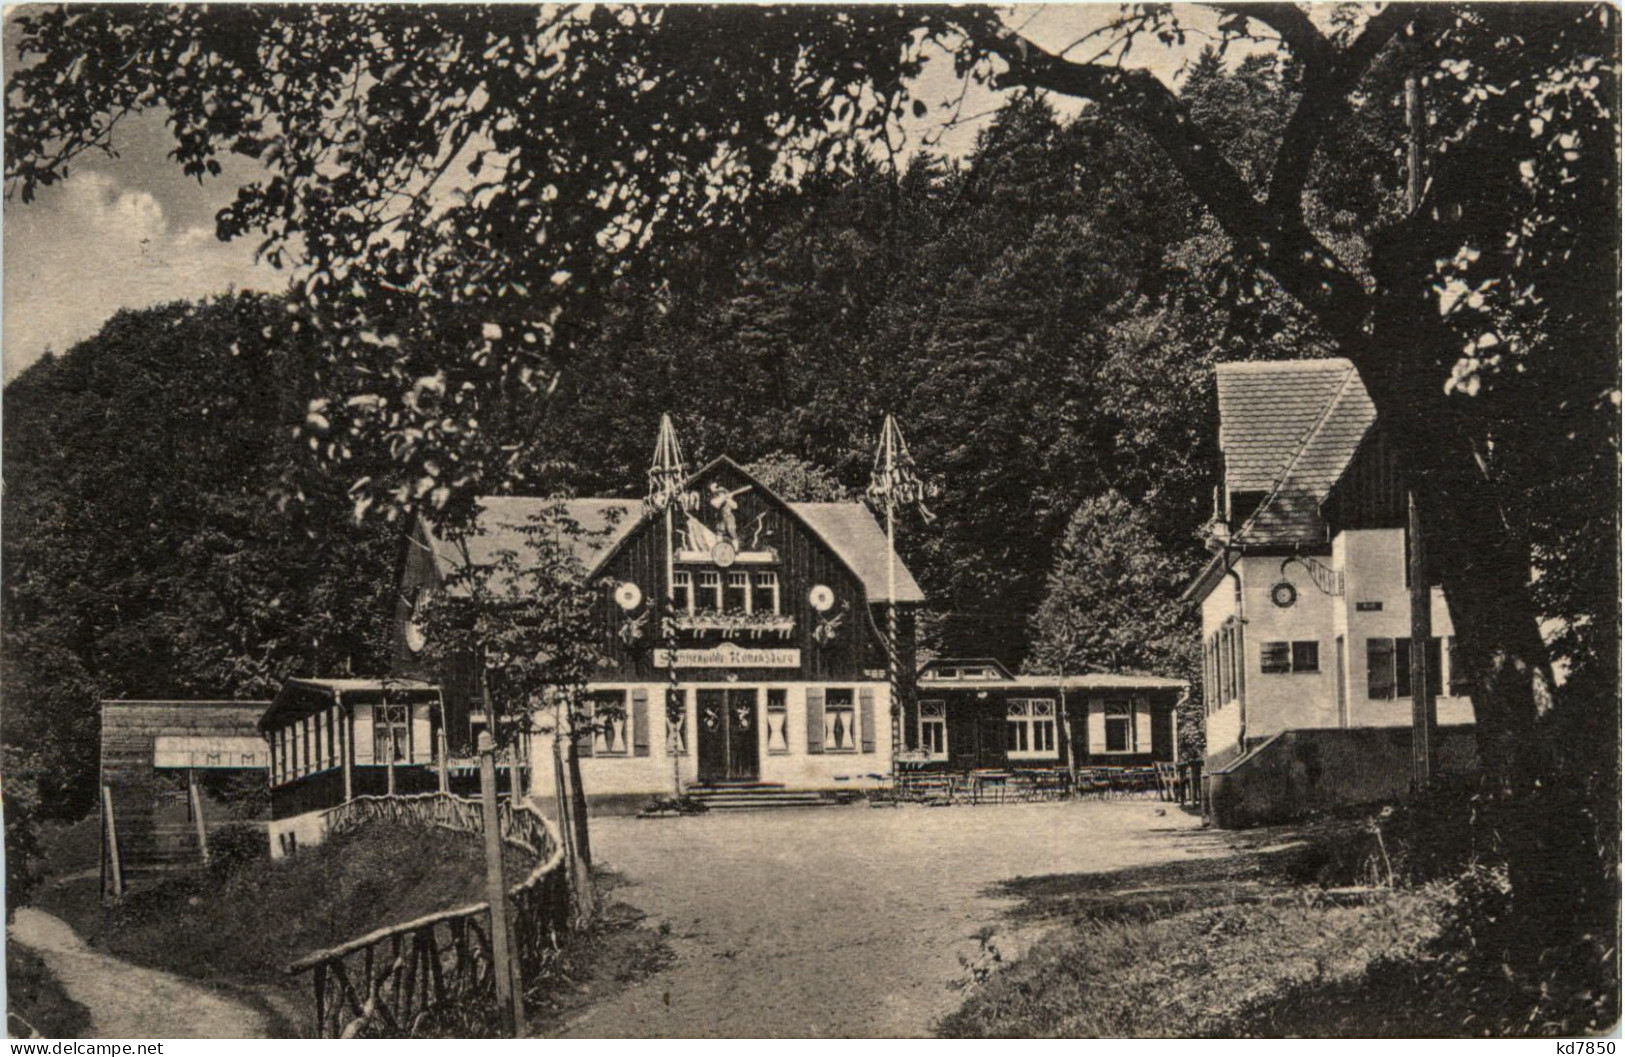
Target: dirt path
[
  {"x": 847, "y": 921},
  {"x": 127, "y": 1001}
]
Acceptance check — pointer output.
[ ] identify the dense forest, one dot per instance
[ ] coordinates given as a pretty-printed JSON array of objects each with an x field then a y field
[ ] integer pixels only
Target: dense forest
[{"x": 1042, "y": 316}]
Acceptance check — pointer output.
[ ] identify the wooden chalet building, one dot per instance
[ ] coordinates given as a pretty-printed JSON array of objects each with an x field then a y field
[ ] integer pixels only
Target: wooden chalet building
[
  {"x": 780, "y": 662},
  {"x": 974, "y": 715}
]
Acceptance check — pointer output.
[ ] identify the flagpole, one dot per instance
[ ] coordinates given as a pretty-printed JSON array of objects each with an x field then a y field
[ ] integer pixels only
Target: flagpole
[{"x": 893, "y": 676}]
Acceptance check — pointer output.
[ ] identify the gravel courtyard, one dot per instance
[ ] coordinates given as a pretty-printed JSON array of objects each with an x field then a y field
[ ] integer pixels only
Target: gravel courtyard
[{"x": 846, "y": 921}]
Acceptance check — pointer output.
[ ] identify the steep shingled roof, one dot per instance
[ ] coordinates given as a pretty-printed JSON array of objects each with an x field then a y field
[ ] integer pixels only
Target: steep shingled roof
[
  {"x": 849, "y": 529},
  {"x": 1289, "y": 429}
]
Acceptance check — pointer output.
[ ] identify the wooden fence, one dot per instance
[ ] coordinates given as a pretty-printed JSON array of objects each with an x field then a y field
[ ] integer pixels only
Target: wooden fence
[{"x": 437, "y": 972}]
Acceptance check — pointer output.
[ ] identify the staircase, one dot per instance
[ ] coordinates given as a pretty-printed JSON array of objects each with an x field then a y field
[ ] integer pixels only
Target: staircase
[{"x": 746, "y": 795}]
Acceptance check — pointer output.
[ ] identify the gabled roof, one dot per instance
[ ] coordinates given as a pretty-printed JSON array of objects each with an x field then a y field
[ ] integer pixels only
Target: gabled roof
[
  {"x": 848, "y": 529},
  {"x": 857, "y": 539},
  {"x": 1289, "y": 429}
]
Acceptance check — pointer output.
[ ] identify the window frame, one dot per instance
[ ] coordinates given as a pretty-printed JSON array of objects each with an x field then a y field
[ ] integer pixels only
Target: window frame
[
  {"x": 743, "y": 586},
  {"x": 766, "y": 581},
  {"x": 708, "y": 580},
  {"x": 1034, "y": 722},
  {"x": 682, "y": 584},
  {"x": 852, "y": 734},
  {"x": 384, "y": 724},
  {"x": 601, "y": 744},
  {"x": 1283, "y": 656},
  {"x": 1129, "y": 719},
  {"x": 936, "y": 721}
]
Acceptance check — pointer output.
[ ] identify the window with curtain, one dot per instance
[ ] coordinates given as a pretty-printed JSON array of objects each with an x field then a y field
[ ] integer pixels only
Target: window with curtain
[
  {"x": 934, "y": 729},
  {"x": 391, "y": 734}
]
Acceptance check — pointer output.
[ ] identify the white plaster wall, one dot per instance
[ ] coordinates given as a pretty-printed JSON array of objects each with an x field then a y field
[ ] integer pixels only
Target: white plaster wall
[
  {"x": 1281, "y": 701},
  {"x": 308, "y": 829},
  {"x": 797, "y": 769},
  {"x": 1374, "y": 571}
]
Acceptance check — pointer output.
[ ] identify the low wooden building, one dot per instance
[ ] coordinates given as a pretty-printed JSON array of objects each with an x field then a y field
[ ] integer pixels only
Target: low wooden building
[
  {"x": 155, "y": 810},
  {"x": 973, "y": 714},
  {"x": 333, "y": 739}
]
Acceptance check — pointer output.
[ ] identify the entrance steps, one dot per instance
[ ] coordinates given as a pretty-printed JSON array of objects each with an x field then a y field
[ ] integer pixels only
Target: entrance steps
[{"x": 748, "y": 795}]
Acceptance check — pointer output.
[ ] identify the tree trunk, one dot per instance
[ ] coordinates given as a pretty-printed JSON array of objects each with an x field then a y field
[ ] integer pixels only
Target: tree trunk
[
  {"x": 1484, "y": 567},
  {"x": 578, "y": 803}
]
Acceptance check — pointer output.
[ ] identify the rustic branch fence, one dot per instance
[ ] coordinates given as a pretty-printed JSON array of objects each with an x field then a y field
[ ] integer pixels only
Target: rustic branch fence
[{"x": 406, "y": 980}]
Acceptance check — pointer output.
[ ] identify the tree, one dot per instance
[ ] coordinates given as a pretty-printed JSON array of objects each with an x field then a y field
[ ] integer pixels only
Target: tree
[
  {"x": 145, "y": 552},
  {"x": 795, "y": 480},
  {"x": 531, "y": 623},
  {"x": 1111, "y": 603}
]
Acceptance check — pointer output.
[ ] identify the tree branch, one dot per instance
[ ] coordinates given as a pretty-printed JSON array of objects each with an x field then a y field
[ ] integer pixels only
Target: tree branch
[{"x": 1300, "y": 262}]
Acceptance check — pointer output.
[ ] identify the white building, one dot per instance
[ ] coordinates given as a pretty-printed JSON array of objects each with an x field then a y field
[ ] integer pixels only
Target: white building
[{"x": 1306, "y": 602}]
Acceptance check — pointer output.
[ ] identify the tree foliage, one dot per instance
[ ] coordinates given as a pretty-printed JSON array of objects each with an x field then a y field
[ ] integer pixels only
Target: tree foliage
[{"x": 145, "y": 551}]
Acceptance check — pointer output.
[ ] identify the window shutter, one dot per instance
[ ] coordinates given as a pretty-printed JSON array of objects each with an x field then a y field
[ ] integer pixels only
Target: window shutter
[
  {"x": 1142, "y": 724},
  {"x": 1379, "y": 669},
  {"x": 1275, "y": 657},
  {"x": 866, "y": 718},
  {"x": 1435, "y": 667},
  {"x": 1096, "y": 709},
  {"x": 581, "y": 724},
  {"x": 640, "y": 722},
  {"x": 815, "y": 720}
]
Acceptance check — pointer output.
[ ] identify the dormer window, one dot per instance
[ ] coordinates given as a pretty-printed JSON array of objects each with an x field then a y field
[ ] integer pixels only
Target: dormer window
[{"x": 1244, "y": 504}]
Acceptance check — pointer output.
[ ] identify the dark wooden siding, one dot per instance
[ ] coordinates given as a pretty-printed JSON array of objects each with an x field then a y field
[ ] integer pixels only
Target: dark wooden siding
[
  {"x": 1371, "y": 492},
  {"x": 129, "y": 736},
  {"x": 804, "y": 560}
]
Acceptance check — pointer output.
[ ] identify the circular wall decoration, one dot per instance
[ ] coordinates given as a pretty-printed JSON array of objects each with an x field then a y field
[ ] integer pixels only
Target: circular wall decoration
[
  {"x": 821, "y": 598},
  {"x": 628, "y": 595},
  {"x": 1283, "y": 594},
  {"x": 416, "y": 636},
  {"x": 723, "y": 554}
]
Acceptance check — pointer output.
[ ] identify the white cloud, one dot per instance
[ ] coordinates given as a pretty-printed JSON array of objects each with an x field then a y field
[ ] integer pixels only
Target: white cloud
[{"x": 88, "y": 247}]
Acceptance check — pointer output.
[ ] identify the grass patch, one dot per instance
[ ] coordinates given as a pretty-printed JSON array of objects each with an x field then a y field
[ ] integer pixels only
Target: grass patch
[
  {"x": 1265, "y": 944},
  {"x": 36, "y": 999},
  {"x": 239, "y": 930}
]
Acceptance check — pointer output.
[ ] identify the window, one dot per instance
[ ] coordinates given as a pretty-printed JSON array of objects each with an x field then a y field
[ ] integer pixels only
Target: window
[
  {"x": 934, "y": 729},
  {"x": 682, "y": 591},
  {"x": 840, "y": 721},
  {"x": 1226, "y": 657},
  {"x": 709, "y": 596},
  {"x": 766, "y": 599},
  {"x": 610, "y": 736},
  {"x": 677, "y": 721},
  {"x": 1388, "y": 668},
  {"x": 1120, "y": 733},
  {"x": 391, "y": 734},
  {"x": 1031, "y": 724},
  {"x": 1278, "y": 657},
  {"x": 738, "y": 593},
  {"x": 778, "y": 721}
]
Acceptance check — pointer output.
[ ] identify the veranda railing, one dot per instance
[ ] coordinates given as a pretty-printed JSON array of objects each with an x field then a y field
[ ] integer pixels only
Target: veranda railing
[{"x": 438, "y": 970}]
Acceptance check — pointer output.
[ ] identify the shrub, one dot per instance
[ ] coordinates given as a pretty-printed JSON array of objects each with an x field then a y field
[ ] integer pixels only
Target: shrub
[{"x": 237, "y": 846}]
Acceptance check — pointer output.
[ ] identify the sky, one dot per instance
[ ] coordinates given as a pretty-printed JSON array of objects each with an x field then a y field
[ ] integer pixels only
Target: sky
[{"x": 131, "y": 231}]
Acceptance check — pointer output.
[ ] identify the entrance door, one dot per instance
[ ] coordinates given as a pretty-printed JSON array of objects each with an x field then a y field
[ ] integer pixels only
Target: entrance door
[
  {"x": 743, "y": 750},
  {"x": 990, "y": 749},
  {"x": 728, "y": 749}
]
